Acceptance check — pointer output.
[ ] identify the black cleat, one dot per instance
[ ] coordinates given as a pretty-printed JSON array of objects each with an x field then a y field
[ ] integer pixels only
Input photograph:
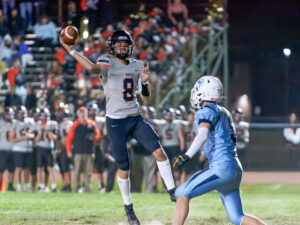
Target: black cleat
[
  {"x": 132, "y": 219},
  {"x": 172, "y": 194},
  {"x": 11, "y": 189}
]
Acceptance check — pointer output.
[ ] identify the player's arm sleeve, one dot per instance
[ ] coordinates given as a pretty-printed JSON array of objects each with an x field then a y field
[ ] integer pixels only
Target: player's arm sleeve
[
  {"x": 70, "y": 137},
  {"x": 103, "y": 63},
  {"x": 198, "y": 141}
]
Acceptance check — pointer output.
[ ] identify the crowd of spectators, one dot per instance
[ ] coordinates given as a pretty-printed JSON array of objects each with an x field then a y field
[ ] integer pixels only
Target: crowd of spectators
[{"x": 159, "y": 35}]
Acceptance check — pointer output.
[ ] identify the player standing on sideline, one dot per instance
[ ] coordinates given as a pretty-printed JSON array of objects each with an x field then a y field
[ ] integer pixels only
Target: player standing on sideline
[
  {"x": 189, "y": 127},
  {"x": 120, "y": 76},
  {"x": 47, "y": 135},
  {"x": 99, "y": 154},
  {"x": 6, "y": 154},
  {"x": 64, "y": 125},
  {"x": 216, "y": 133},
  {"x": 172, "y": 137},
  {"x": 21, "y": 136},
  {"x": 242, "y": 136}
]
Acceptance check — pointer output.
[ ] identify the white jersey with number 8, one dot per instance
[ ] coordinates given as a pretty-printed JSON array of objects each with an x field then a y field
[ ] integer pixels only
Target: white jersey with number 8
[{"x": 120, "y": 82}]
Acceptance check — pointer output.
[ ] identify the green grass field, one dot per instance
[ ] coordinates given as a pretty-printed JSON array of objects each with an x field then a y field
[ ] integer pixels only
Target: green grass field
[{"x": 275, "y": 204}]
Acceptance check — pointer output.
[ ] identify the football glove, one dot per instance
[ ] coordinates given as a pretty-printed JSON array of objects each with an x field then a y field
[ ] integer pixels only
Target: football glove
[{"x": 180, "y": 160}]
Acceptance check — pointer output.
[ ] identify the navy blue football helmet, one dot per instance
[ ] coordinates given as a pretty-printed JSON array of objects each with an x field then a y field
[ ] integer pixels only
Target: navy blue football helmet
[{"x": 120, "y": 35}]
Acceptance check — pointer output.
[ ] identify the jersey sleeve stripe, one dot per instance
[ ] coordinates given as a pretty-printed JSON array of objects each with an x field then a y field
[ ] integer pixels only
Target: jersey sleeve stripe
[
  {"x": 205, "y": 121},
  {"x": 102, "y": 60},
  {"x": 104, "y": 65}
]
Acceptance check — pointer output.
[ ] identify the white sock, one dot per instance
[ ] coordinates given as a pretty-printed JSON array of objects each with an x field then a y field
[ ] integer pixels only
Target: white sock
[
  {"x": 42, "y": 186},
  {"x": 53, "y": 186},
  {"x": 26, "y": 186},
  {"x": 166, "y": 173},
  {"x": 19, "y": 186},
  {"x": 124, "y": 185},
  {"x": 100, "y": 185}
]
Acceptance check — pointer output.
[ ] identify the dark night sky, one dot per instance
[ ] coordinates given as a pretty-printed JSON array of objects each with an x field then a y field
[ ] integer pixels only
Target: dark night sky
[{"x": 259, "y": 30}]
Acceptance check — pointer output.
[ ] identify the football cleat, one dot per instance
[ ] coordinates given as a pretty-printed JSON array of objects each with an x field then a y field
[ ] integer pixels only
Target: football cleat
[{"x": 132, "y": 218}]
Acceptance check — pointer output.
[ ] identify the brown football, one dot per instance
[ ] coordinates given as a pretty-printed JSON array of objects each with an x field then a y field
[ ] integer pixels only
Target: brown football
[{"x": 69, "y": 35}]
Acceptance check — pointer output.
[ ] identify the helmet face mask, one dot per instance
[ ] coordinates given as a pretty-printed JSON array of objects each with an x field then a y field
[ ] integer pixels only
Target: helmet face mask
[
  {"x": 21, "y": 112},
  {"x": 121, "y": 44},
  {"x": 169, "y": 114},
  {"x": 44, "y": 115},
  {"x": 93, "y": 110},
  {"x": 8, "y": 114},
  {"x": 207, "y": 88}
]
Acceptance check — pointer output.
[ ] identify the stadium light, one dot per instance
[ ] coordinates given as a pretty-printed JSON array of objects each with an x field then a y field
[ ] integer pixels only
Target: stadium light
[
  {"x": 287, "y": 52},
  {"x": 220, "y": 9},
  {"x": 85, "y": 21},
  {"x": 85, "y": 34}
]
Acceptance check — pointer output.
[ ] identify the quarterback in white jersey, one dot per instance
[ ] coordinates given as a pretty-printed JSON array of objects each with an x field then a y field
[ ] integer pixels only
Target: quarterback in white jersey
[
  {"x": 6, "y": 155},
  {"x": 22, "y": 136},
  {"x": 121, "y": 76},
  {"x": 47, "y": 135}
]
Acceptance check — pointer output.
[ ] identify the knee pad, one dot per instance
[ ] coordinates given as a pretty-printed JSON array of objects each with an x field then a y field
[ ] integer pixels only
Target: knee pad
[
  {"x": 180, "y": 191},
  {"x": 124, "y": 165}
]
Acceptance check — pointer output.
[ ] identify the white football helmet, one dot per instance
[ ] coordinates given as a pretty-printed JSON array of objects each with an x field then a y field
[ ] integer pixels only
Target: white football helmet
[{"x": 207, "y": 88}]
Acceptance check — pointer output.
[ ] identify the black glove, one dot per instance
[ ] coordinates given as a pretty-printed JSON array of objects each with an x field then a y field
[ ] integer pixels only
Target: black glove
[{"x": 180, "y": 160}]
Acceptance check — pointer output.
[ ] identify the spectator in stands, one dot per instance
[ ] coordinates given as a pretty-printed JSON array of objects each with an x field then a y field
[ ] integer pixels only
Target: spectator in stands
[
  {"x": 6, "y": 50},
  {"x": 157, "y": 14},
  {"x": 147, "y": 54},
  {"x": 3, "y": 26},
  {"x": 140, "y": 14},
  {"x": 108, "y": 31},
  {"x": 31, "y": 99},
  {"x": 292, "y": 139},
  {"x": 16, "y": 23},
  {"x": 177, "y": 11},
  {"x": 90, "y": 10},
  {"x": 26, "y": 13},
  {"x": 45, "y": 30},
  {"x": 72, "y": 17},
  {"x": 141, "y": 29},
  {"x": 83, "y": 133},
  {"x": 14, "y": 72},
  {"x": 20, "y": 50},
  {"x": 7, "y": 6},
  {"x": 108, "y": 12},
  {"x": 11, "y": 99},
  {"x": 39, "y": 8},
  {"x": 161, "y": 54}
]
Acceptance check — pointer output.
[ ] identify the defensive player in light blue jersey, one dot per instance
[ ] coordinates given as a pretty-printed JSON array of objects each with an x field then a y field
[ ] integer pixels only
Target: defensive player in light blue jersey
[{"x": 216, "y": 135}]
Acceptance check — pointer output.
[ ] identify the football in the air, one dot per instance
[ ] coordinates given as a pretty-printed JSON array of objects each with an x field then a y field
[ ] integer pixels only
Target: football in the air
[{"x": 69, "y": 35}]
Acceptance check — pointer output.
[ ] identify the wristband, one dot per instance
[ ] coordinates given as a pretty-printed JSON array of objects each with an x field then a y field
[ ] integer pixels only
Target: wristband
[
  {"x": 72, "y": 52},
  {"x": 145, "y": 91}
]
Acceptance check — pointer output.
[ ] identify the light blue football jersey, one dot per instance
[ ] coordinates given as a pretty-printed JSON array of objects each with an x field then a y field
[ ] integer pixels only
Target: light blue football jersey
[{"x": 221, "y": 142}]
